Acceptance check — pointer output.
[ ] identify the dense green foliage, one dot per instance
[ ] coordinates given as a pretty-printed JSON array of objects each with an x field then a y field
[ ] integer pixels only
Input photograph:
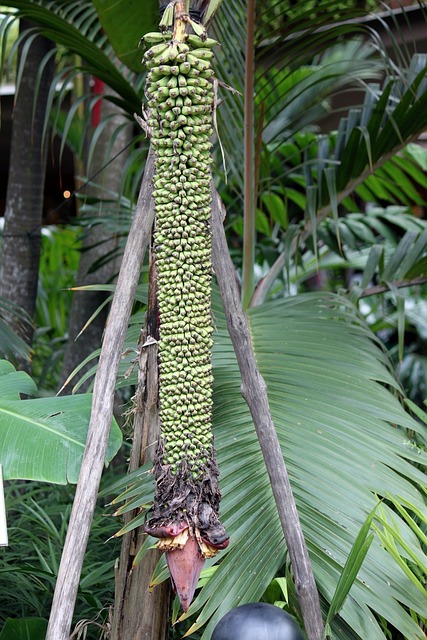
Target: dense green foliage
[
  {"x": 339, "y": 211},
  {"x": 38, "y": 518}
]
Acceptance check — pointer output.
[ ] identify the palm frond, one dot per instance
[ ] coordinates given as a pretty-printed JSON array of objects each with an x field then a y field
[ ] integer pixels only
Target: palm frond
[
  {"x": 345, "y": 437},
  {"x": 12, "y": 345},
  {"x": 297, "y": 98},
  {"x": 127, "y": 375},
  {"x": 76, "y": 27},
  {"x": 300, "y": 64}
]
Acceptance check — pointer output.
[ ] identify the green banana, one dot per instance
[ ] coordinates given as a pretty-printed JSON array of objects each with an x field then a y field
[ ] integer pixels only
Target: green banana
[
  {"x": 155, "y": 51},
  {"x": 196, "y": 42},
  {"x": 203, "y": 54},
  {"x": 156, "y": 36},
  {"x": 181, "y": 98}
]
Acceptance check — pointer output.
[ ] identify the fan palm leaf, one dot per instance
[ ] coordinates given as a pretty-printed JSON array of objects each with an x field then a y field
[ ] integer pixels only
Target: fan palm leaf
[
  {"x": 343, "y": 430},
  {"x": 322, "y": 399}
]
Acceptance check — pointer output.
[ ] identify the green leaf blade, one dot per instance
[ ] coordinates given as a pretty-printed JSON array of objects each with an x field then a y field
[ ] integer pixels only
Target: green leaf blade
[{"x": 44, "y": 438}]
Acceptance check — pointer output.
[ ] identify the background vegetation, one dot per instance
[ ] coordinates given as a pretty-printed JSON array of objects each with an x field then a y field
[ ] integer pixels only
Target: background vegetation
[{"x": 324, "y": 184}]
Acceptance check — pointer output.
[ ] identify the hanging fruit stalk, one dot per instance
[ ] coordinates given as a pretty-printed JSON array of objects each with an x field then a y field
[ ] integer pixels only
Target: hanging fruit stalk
[{"x": 179, "y": 91}]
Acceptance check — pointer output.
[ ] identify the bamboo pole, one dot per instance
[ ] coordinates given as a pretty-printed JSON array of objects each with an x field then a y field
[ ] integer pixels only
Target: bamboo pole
[
  {"x": 254, "y": 391},
  {"x": 141, "y": 613},
  {"x": 102, "y": 412}
]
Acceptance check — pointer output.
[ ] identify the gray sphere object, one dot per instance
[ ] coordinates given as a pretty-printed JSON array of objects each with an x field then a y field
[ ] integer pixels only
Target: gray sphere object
[{"x": 257, "y": 621}]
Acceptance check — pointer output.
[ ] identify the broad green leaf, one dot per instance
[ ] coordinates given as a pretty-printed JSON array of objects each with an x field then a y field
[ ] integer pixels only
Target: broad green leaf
[
  {"x": 44, "y": 439},
  {"x": 261, "y": 223},
  {"x": 276, "y": 208},
  {"x": 13, "y": 383},
  {"x": 277, "y": 592},
  {"x": 125, "y": 22},
  {"x": 297, "y": 197},
  {"x": 24, "y": 629}
]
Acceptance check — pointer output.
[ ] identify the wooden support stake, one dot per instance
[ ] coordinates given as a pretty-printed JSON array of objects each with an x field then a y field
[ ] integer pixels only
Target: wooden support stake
[
  {"x": 254, "y": 391},
  {"x": 102, "y": 412},
  {"x": 141, "y": 613}
]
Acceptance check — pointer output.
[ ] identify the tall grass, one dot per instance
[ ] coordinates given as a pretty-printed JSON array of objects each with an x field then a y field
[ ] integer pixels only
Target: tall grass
[{"x": 38, "y": 518}]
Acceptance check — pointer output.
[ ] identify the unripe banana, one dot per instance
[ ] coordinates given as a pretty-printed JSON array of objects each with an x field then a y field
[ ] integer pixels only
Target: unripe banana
[
  {"x": 207, "y": 73},
  {"x": 159, "y": 82},
  {"x": 203, "y": 54},
  {"x": 183, "y": 47},
  {"x": 172, "y": 52},
  {"x": 156, "y": 36},
  {"x": 184, "y": 68},
  {"x": 197, "y": 41},
  {"x": 164, "y": 70},
  {"x": 165, "y": 106},
  {"x": 181, "y": 103},
  {"x": 200, "y": 64},
  {"x": 156, "y": 50},
  {"x": 194, "y": 71},
  {"x": 199, "y": 82},
  {"x": 172, "y": 82},
  {"x": 158, "y": 59}
]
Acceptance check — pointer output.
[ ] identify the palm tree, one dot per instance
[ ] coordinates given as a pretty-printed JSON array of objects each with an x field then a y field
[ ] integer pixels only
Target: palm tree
[
  {"x": 340, "y": 414},
  {"x": 24, "y": 199}
]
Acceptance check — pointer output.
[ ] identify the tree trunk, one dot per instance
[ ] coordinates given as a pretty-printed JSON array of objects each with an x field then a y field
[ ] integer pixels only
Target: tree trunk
[
  {"x": 97, "y": 243},
  {"x": 138, "y": 613},
  {"x": 25, "y": 188}
]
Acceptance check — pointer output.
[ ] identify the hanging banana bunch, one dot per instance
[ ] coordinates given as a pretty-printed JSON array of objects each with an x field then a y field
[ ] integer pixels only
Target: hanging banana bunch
[{"x": 180, "y": 101}]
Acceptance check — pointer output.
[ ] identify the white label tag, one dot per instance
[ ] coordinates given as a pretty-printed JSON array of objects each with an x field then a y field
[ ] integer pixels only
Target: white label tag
[{"x": 3, "y": 525}]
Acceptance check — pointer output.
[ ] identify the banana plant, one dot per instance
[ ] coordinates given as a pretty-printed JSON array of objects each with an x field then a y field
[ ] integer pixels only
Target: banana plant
[
  {"x": 43, "y": 438},
  {"x": 180, "y": 95}
]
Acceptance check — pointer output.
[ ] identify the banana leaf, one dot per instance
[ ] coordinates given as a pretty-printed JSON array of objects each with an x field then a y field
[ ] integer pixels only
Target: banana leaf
[
  {"x": 125, "y": 22},
  {"x": 24, "y": 628},
  {"x": 43, "y": 438}
]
